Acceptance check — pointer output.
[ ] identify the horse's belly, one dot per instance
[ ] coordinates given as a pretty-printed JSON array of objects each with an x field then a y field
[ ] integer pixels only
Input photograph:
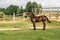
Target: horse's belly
[{"x": 37, "y": 20}]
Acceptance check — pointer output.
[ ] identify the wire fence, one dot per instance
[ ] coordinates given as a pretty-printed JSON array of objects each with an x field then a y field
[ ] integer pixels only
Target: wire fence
[
  {"x": 49, "y": 12},
  {"x": 53, "y": 14}
]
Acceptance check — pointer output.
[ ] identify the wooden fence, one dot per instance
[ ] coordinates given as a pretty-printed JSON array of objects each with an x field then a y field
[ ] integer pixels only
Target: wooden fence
[{"x": 51, "y": 13}]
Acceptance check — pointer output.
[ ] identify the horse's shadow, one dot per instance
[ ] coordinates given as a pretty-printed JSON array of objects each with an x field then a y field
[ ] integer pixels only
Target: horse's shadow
[{"x": 36, "y": 28}]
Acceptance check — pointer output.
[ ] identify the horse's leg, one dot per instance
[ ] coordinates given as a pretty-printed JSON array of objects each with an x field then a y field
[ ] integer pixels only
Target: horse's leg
[
  {"x": 44, "y": 25},
  {"x": 34, "y": 26}
]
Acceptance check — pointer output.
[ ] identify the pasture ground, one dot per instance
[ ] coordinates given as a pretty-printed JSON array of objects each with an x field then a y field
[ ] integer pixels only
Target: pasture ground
[
  {"x": 51, "y": 33},
  {"x": 48, "y": 34}
]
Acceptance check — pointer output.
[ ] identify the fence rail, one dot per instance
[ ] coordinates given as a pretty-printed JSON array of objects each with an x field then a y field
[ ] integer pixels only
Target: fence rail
[
  {"x": 51, "y": 13},
  {"x": 48, "y": 12}
]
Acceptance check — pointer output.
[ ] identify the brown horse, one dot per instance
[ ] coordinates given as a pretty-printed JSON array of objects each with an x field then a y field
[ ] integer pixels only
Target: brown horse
[{"x": 35, "y": 19}]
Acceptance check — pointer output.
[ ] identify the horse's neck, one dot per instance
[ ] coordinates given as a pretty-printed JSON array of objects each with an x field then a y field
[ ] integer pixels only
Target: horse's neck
[{"x": 32, "y": 17}]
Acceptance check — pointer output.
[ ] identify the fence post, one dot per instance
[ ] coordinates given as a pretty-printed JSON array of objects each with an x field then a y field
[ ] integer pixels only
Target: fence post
[
  {"x": 57, "y": 13},
  {"x": 4, "y": 17},
  {"x": 40, "y": 11},
  {"x": 35, "y": 10},
  {"x": 44, "y": 12},
  {"x": 24, "y": 16},
  {"x": 13, "y": 16},
  {"x": 50, "y": 13}
]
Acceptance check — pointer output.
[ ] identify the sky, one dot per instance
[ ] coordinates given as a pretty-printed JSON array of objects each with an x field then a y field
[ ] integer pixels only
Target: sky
[{"x": 44, "y": 3}]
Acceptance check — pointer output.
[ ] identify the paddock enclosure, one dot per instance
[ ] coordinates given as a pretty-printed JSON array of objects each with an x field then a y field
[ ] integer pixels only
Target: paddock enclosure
[
  {"x": 52, "y": 14},
  {"x": 24, "y": 29},
  {"x": 23, "y": 21}
]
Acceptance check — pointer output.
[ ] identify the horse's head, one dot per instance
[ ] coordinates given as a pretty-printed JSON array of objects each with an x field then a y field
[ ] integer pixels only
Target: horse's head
[{"x": 30, "y": 14}]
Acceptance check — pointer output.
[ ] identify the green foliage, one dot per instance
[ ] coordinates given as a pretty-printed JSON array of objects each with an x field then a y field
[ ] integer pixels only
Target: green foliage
[
  {"x": 29, "y": 7},
  {"x": 15, "y": 9},
  {"x": 1, "y": 14},
  {"x": 34, "y": 5},
  {"x": 2, "y": 9},
  {"x": 20, "y": 11},
  {"x": 40, "y": 6},
  {"x": 11, "y": 9}
]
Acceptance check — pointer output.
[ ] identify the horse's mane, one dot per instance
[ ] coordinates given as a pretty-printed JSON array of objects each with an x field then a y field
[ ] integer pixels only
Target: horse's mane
[{"x": 33, "y": 14}]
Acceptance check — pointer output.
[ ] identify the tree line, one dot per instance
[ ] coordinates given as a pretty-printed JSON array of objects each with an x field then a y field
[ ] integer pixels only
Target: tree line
[{"x": 15, "y": 9}]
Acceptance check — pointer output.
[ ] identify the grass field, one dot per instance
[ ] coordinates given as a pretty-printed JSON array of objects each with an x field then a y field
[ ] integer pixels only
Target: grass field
[
  {"x": 12, "y": 25},
  {"x": 28, "y": 23},
  {"x": 52, "y": 33},
  {"x": 49, "y": 34}
]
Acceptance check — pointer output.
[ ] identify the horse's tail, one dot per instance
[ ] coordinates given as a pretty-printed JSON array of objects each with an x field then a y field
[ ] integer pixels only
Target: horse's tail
[{"x": 48, "y": 20}]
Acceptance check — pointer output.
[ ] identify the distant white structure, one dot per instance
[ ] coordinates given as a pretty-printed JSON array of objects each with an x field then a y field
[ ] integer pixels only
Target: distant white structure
[{"x": 25, "y": 16}]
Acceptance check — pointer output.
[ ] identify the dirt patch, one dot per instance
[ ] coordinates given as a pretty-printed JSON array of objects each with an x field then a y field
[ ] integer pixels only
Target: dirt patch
[{"x": 2, "y": 29}]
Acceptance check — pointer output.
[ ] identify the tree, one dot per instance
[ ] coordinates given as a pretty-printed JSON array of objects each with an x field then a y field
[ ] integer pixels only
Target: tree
[
  {"x": 39, "y": 9},
  {"x": 11, "y": 9},
  {"x": 2, "y": 9},
  {"x": 34, "y": 5},
  {"x": 20, "y": 11},
  {"x": 29, "y": 7},
  {"x": 40, "y": 6}
]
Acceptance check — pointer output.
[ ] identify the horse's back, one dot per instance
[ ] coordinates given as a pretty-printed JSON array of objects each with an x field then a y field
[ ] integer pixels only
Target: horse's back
[
  {"x": 38, "y": 18},
  {"x": 41, "y": 18}
]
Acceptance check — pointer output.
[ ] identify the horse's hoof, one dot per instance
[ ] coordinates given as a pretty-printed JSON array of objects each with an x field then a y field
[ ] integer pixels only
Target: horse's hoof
[
  {"x": 34, "y": 29},
  {"x": 43, "y": 29}
]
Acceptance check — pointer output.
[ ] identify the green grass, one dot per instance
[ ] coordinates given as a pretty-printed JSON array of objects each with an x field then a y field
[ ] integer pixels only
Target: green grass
[
  {"x": 12, "y": 25},
  {"x": 52, "y": 33},
  {"x": 49, "y": 34},
  {"x": 54, "y": 24},
  {"x": 28, "y": 23}
]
